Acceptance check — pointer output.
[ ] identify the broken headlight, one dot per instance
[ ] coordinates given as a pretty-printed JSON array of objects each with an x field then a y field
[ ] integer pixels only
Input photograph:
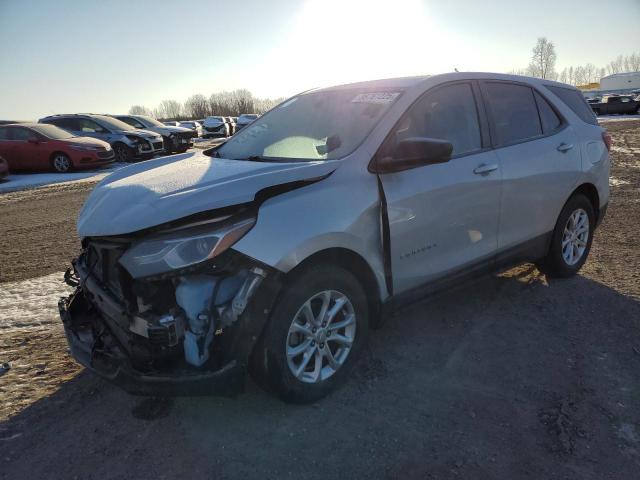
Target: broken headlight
[{"x": 182, "y": 248}]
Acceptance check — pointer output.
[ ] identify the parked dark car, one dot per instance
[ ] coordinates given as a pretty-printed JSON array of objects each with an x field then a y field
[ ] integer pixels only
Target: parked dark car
[
  {"x": 36, "y": 146},
  {"x": 127, "y": 142},
  {"x": 621, "y": 104}
]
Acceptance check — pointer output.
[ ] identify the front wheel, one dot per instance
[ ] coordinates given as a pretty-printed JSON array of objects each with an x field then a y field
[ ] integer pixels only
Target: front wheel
[
  {"x": 61, "y": 163},
  {"x": 316, "y": 333},
  {"x": 571, "y": 239},
  {"x": 122, "y": 152}
]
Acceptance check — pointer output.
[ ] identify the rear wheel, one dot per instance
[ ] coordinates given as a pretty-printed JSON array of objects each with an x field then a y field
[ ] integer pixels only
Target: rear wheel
[
  {"x": 571, "y": 239},
  {"x": 122, "y": 152},
  {"x": 61, "y": 163},
  {"x": 314, "y": 337}
]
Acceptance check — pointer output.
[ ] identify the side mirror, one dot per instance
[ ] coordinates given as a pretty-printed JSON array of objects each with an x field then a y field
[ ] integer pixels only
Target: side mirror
[
  {"x": 33, "y": 140},
  {"x": 415, "y": 152}
]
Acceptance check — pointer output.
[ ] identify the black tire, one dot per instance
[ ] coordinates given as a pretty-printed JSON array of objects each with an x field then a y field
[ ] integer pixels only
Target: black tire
[
  {"x": 555, "y": 264},
  {"x": 123, "y": 153},
  {"x": 269, "y": 364},
  {"x": 169, "y": 145},
  {"x": 61, "y": 163}
]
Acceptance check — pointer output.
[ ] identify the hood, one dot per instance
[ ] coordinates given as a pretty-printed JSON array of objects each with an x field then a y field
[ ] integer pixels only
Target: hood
[
  {"x": 178, "y": 129},
  {"x": 167, "y": 130},
  {"x": 170, "y": 188},
  {"x": 139, "y": 133},
  {"x": 87, "y": 141}
]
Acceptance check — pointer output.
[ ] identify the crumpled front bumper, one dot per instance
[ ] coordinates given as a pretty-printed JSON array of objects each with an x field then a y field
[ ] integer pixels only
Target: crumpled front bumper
[{"x": 84, "y": 330}]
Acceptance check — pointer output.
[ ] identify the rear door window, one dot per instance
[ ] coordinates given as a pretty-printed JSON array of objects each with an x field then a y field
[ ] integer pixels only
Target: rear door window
[
  {"x": 20, "y": 134},
  {"x": 576, "y": 102},
  {"x": 549, "y": 118},
  {"x": 4, "y": 133},
  {"x": 514, "y": 112}
]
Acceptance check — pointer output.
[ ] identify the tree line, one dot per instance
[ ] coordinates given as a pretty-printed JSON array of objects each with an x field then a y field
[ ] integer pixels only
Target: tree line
[
  {"x": 226, "y": 103},
  {"x": 543, "y": 62}
]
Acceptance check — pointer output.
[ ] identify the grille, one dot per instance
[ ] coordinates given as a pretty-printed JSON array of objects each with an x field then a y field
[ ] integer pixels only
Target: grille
[
  {"x": 157, "y": 145},
  {"x": 103, "y": 264}
]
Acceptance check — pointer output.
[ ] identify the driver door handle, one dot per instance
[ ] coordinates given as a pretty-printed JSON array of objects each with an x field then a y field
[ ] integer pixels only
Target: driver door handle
[
  {"x": 565, "y": 147},
  {"x": 485, "y": 169}
]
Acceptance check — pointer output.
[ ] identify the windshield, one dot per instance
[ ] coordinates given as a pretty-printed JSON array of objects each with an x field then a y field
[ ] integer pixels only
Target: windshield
[
  {"x": 151, "y": 121},
  {"x": 113, "y": 123},
  {"x": 52, "y": 132},
  {"x": 314, "y": 126}
]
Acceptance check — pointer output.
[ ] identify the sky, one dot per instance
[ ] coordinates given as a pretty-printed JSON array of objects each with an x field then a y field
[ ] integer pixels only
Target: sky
[{"x": 66, "y": 56}]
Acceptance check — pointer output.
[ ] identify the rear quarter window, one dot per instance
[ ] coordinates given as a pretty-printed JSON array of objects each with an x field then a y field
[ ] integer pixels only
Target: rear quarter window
[{"x": 576, "y": 102}]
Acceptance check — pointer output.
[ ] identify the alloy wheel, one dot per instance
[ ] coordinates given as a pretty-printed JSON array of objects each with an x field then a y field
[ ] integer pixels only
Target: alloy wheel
[
  {"x": 61, "y": 163},
  {"x": 121, "y": 153},
  {"x": 321, "y": 336},
  {"x": 575, "y": 237}
]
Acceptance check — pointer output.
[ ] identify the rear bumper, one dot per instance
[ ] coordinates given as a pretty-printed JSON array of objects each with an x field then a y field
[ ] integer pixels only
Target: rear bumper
[{"x": 92, "y": 346}]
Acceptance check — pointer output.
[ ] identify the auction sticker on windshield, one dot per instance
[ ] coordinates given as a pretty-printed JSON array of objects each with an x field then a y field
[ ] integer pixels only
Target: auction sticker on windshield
[{"x": 375, "y": 97}]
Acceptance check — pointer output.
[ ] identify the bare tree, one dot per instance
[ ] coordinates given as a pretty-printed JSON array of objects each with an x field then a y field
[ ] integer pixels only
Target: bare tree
[
  {"x": 564, "y": 75},
  {"x": 170, "y": 109},
  {"x": 543, "y": 60},
  {"x": 196, "y": 106},
  {"x": 633, "y": 62},
  {"x": 616, "y": 66},
  {"x": 139, "y": 110}
]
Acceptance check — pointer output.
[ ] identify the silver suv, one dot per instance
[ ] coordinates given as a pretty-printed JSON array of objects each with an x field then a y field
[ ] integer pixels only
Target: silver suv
[
  {"x": 127, "y": 142},
  {"x": 275, "y": 252}
]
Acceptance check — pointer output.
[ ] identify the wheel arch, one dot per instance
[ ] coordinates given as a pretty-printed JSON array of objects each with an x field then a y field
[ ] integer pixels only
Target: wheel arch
[
  {"x": 590, "y": 191},
  {"x": 354, "y": 263}
]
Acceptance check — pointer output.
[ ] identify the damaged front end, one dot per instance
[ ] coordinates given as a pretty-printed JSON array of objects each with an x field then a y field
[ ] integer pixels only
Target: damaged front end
[{"x": 173, "y": 311}]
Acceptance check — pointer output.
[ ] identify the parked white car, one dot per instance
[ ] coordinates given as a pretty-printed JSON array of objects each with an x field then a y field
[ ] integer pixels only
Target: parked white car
[
  {"x": 245, "y": 119},
  {"x": 276, "y": 251},
  {"x": 193, "y": 126},
  {"x": 215, "y": 126}
]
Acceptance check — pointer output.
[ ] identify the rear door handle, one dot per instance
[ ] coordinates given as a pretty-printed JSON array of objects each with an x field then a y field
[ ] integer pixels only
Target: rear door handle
[
  {"x": 565, "y": 147},
  {"x": 485, "y": 169}
]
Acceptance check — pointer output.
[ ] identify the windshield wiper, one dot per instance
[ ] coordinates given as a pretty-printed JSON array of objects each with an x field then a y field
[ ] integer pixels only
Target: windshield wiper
[{"x": 256, "y": 158}]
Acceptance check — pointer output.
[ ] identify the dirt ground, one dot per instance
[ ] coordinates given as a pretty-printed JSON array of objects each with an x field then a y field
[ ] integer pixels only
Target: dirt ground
[{"x": 513, "y": 377}]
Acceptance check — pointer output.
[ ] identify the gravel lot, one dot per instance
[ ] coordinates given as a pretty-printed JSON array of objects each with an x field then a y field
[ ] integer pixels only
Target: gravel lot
[{"x": 513, "y": 377}]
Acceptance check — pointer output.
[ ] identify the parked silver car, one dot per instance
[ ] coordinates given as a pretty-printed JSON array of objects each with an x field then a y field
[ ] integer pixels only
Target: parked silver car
[
  {"x": 276, "y": 251},
  {"x": 194, "y": 126},
  {"x": 127, "y": 142},
  {"x": 176, "y": 139},
  {"x": 245, "y": 119},
  {"x": 215, "y": 126}
]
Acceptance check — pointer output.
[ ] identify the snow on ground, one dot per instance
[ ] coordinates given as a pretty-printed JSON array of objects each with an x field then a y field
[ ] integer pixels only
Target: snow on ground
[
  {"x": 625, "y": 150},
  {"x": 23, "y": 181},
  {"x": 31, "y": 303},
  {"x": 617, "y": 118}
]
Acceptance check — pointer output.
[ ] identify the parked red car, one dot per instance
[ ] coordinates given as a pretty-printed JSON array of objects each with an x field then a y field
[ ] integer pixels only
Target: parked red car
[
  {"x": 37, "y": 146},
  {"x": 4, "y": 169}
]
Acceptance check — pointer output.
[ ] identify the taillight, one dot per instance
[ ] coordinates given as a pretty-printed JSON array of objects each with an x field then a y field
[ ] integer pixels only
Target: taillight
[{"x": 606, "y": 138}]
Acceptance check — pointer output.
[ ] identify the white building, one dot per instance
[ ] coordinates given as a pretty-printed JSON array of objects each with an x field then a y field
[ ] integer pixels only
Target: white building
[{"x": 620, "y": 81}]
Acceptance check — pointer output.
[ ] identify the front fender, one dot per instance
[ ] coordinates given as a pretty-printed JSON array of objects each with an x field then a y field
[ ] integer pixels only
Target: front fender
[{"x": 331, "y": 213}]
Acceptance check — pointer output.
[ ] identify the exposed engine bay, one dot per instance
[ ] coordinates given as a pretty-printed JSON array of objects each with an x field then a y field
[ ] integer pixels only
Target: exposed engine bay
[{"x": 174, "y": 323}]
